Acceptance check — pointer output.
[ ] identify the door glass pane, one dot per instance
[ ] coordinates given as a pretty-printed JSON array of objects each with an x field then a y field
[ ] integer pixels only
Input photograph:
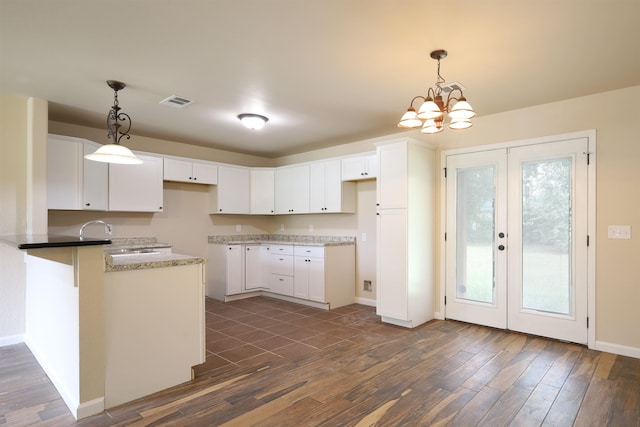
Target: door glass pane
[
  {"x": 475, "y": 266},
  {"x": 546, "y": 236}
]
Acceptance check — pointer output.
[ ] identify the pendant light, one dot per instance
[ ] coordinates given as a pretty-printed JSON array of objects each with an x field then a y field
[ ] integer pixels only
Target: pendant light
[{"x": 114, "y": 152}]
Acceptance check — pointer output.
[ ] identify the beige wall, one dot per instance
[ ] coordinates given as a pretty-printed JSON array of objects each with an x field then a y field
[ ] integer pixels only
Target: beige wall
[
  {"x": 23, "y": 129},
  {"x": 616, "y": 117}
]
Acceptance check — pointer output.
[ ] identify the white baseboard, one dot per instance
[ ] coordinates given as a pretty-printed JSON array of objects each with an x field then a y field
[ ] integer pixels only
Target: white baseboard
[
  {"x": 11, "y": 340},
  {"x": 366, "y": 301},
  {"x": 622, "y": 350},
  {"x": 438, "y": 315},
  {"x": 91, "y": 407}
]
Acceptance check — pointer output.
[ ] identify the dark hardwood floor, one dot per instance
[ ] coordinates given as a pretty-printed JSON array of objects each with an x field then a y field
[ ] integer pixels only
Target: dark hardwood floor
[{"x": 273, "y": 363}]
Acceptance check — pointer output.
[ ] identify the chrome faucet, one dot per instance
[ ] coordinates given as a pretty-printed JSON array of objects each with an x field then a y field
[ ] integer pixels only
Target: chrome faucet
[{"x": 108, "y": 228}]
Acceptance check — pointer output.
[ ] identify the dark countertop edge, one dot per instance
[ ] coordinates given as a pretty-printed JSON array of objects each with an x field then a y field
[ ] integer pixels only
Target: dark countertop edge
[{"x": 41, "y": 241}]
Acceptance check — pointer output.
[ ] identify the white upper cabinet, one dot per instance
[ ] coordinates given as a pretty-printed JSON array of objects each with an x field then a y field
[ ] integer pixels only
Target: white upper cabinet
[
  {"x": 327, "y": 192},
  {"x": 262, "y": 190},
  {"x": 184, "y": 170},
  {"x": 292, "y": 189},
  {"x": 136, "y": 188},
  {"x": 231, "y": 195},
  {"x": 74, "y": 183},
  {"x": 359, "y": 167},
  {"x": 391, "y": 188},
  {"x": 95, "y": 178}
]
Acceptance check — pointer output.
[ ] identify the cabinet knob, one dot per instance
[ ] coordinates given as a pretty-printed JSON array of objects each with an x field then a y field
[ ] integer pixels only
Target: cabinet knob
[
  {"x": 87, "y": 204},
  {"x": 220, "y": 210},
  {"x": 195, "y": 179},
  {"x": 160, "y": 208},
  {"x": 190, "y": 178}
]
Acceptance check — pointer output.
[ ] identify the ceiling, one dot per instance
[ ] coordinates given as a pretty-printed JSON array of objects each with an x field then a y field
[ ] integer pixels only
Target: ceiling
[{"x": 324, "y": 72}]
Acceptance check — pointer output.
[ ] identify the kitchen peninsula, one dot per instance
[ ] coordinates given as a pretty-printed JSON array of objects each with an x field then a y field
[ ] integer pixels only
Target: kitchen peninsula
[{"x": 79, "y": 317}]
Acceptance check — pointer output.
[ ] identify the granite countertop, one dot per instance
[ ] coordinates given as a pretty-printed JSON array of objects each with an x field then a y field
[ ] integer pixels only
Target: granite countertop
[
  {"x": 146, "y": 261},
  {"x": 143, "y": 261},
  {"x": 40, "y": 241},
  {"x": 283, "y": 239}
]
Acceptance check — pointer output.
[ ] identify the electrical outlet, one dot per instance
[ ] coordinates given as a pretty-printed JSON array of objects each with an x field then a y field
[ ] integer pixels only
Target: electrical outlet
[{"x": 367, "y": 286}]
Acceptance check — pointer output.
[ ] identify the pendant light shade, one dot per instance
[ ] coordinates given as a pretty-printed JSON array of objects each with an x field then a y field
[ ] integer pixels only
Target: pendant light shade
[
  {"x": 116, "y": 123},
  {"x": 114, "y": 153}
]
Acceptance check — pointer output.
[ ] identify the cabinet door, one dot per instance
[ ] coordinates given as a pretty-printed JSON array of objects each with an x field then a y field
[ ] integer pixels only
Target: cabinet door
[
  {"x": 64, "y": 174},
  {"x": 178, "y": 170},
  {"x": 262, "y": 191},
  {"x": 95, "y": 181},
  {"x": 283, "y": 190},
  {"x": 301, "y": 277},
  {"x": 204, "y": 173},
  {"x": 391, "y": 262},
  {"x": 316, "y": 279},
  {"x": 233, "y": 190},
  {"x": 253, "y": 276},
  {"x": 136, "y": 188},
  {"x": 359, "y": 167},
  {"x": 300, "y": 193},
  {"x": 235, "y": 269},
  {"x": 317, "y": 187},
  {"x": 333, "y": 187},
  {"x": 392, "y": 176},
  {"x": 371, "y": 166}
]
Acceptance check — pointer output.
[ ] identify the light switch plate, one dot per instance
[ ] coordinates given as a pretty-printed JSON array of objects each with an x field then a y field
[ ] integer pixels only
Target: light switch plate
[{"x": 619, "y": 232}]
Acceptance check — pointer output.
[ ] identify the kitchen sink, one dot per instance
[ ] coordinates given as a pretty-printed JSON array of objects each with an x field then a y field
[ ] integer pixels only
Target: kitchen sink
[{"x": 129, "y": 252}]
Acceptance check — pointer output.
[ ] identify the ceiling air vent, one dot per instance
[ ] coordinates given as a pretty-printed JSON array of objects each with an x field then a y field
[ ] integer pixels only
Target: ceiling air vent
[
  {"x": 176, "y": 101},
  {"x": 448, "y": 87}
]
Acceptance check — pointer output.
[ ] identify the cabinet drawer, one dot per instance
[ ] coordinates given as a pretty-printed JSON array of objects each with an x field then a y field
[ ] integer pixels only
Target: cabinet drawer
[
  {"x": 280, "y": 284},
  {"x": 281, "y": 249},
  {"x": 310, "y": 251},
  {"x": 282, "y": 264}
]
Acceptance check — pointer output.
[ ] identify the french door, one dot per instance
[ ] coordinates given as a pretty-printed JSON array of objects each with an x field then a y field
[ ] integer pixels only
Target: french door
[{"x": 516, "y": 249}]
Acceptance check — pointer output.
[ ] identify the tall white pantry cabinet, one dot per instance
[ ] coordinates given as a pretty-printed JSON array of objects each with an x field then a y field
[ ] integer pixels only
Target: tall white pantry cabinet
[{"x": 405, "y": 232}]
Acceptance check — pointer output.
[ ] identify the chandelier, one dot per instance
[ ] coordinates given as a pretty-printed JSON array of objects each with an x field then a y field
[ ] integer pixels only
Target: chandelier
[
  {"x": 116, "y": 122},
  {"x": 430, "y": 115}
]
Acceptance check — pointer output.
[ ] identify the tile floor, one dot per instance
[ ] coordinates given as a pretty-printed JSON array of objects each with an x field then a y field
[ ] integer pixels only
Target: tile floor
[{"x": 252, "y": 331}]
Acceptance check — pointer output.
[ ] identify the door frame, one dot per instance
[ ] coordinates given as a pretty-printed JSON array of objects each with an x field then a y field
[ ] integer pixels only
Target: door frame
[{"x": 590, "y": 134}]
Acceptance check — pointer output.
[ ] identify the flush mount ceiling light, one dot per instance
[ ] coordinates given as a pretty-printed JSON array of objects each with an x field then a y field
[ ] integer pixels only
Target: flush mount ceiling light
[
  {"x": 116, "y": 153},
  {"x": 430, "y": 116},
  {"x": 253, "y": 121}
]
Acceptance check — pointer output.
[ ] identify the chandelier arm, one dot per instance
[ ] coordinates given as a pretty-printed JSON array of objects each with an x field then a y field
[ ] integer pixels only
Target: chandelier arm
[
  {"x": 417, "y": 97},
  {"x": 453, "y": 98}
]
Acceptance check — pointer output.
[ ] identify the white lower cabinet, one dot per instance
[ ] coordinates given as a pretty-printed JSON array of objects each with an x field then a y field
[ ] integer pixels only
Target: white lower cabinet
[
  {"x": 318, "y": 274},
  {"x": 235, "y": 269},
  {"x": 308, "y": 273},
  {"x": 281, "y": 269},
  {"x": 254, "y": 277}
]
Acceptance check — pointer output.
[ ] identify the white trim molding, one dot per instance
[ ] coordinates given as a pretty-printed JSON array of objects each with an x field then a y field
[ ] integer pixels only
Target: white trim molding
[
  {"x": 11, "y": 340},
  {"x": 621, "y": 350}
]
